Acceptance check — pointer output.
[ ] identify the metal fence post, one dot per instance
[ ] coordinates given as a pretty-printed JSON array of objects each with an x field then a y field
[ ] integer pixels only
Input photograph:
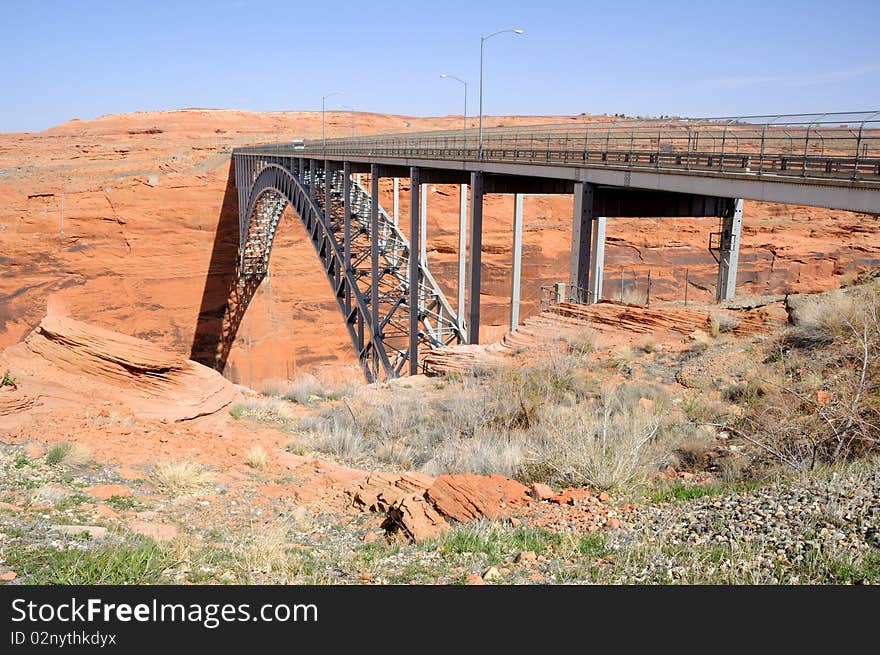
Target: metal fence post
[{"x": 686, "y": 284}]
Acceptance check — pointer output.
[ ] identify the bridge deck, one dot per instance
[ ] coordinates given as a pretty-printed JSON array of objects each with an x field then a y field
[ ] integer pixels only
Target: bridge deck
[{"x": 821, "y": 162}]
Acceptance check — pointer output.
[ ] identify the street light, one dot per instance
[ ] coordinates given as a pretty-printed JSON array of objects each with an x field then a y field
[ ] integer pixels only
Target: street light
[
  {"x": 351, "y": 110},
  {"x": 323, "y": 132},
  {"x": 483, "y": 40},
  {"x": 464, "y": 114}
]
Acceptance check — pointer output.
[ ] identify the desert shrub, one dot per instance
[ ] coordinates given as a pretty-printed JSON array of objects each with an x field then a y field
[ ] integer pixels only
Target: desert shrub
[
  {"x": 68, "y": 454},
  {"x": 342, "y": 440},
  {"x": 181, "y": 476},
  {"x": 484, "y": 454},
  {"x": 579, "y": 342},
  {"x": 8, "y": 380},
  {"x": 270, "y": 410},
  {"x": 721, "y": 323},
  {"x": 256, "y": 457},
  {"x": 700, "y": 341},
  {"x": 621, "y": 360},
  {"x": 305, "y": 390},
  {"x": 824, "y": 405},
  {"x": 606, "y": 443}
]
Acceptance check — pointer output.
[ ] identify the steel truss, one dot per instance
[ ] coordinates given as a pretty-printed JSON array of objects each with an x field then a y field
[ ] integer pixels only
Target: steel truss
[{"x": 267, "y": 185}]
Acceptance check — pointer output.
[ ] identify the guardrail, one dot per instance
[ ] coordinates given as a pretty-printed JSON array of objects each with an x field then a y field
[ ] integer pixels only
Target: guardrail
[{"x": 844, "y": 145}]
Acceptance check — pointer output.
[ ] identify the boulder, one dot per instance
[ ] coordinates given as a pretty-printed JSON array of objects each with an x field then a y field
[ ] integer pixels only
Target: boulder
[
  {"x": 540, "y": 491},
  {"x": 415, "y": 517},
  {"x": 468, "y": 497},
  {"x": 380, "y": 491}
]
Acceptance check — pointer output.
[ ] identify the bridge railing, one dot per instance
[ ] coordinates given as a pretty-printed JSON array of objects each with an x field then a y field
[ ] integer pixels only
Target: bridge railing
[{"x": 834, "y": 145}]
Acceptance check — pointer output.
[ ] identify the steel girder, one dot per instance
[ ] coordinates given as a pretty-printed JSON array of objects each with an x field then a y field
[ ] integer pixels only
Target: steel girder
[{"x": 267, "y": 184}]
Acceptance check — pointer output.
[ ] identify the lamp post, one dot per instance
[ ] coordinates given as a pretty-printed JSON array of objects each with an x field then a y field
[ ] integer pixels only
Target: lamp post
[
  {"x": 323, "y": 131},
  {"x": 464, "y": 113},
  {"x": 483, "y": 39}
]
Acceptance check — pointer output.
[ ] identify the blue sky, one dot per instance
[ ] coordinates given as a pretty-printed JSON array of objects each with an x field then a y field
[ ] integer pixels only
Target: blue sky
[{"x": 63, "y": 60}]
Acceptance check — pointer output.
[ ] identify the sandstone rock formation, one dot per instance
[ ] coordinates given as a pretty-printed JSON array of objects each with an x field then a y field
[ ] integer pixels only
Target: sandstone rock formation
[
  {"x": 150, "y": 236},
  {"x": 65, "y": 359}
]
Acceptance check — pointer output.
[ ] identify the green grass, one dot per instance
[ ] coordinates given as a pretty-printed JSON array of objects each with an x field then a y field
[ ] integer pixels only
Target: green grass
[
  {"x": 592, "y": 545},
  {"x": 497, "y": 543},
  {"x": 129, "y": 563},
  {"x": 71, "y": 501},
  {"x": 679, "y": 492},
  {"x": 122, "y": 502}
]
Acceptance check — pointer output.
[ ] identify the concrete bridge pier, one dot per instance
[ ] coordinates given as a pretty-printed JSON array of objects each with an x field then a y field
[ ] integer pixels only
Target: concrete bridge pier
[
  {"x": 414, "y": 238},
  {"x": 462, "y": 253},
  {"x": 396, "y": 200},
  {"x": 516, "y": 264},
  {"x": 581, "y": 241},
  {"x": 328, "y": 195},
  {"x": 476, "y": 257},
  {"x": 597, "y": 259},
  {"x": 728, "y": 251}
]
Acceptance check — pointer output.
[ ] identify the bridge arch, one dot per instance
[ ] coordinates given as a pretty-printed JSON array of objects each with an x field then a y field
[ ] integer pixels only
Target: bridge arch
[{"x": 267, "y": 186}]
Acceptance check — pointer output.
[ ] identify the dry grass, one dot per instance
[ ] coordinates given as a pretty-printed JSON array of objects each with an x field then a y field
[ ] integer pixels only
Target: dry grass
[
  {"x": 821, "y": 402},
  {"x": 607, "y": 443},
  {"x": 621, "y": 360},
  {"x": 721, "y": 323},
  {"x": 700, "y": 340},
  {"x": 256, "y": 457},
  {"x": 305, "y": 390},
  {"x": 270, "y": 410},
  {"x": 634, "y": 296},
  {"x": 182, "y": 476},
  {"x": 308, "y": 389},
  {"x": 68, "y": 455}
]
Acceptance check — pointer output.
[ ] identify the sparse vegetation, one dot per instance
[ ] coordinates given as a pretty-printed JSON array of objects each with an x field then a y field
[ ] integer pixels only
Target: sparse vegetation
[
  {"x": 127, "y": 563},
  {"x": 605, "y": 444},
  {"x": 68, "y": 454},
  {"x": 307, "y": 389},
  {"x": 721, "y": 323},
  {"x": 621, "y": 360},
  {"x": 634, "y": 296},
  {"x": 8, "y": 380},
  {"x": 256, "y": 457},
  {"x": 819, "y": 399},
  {"x": 182, "y": 476},
  {"x": 270, "y": 410}
]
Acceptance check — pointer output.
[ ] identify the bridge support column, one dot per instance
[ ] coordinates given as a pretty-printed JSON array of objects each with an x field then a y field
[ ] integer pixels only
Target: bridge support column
[
  {"x": 346, "y": 225},
  {"x": 328, "y": 192},
  {"x": 414, "y": 185},
  {"x": 312, "y": 169},
  {"x": 597, "y": 259},
  {"x": 396, "y": 199},
  {"x": 581, "y": 241},
  {"x": 374, "y": 265},
  {"x": 728, "y": 255},
  {"x": 516, "y": 266},
  {"x": 423, "y": 230},
  {"x": 476, "y": 256},
  {"x": 462, "y": 252}
]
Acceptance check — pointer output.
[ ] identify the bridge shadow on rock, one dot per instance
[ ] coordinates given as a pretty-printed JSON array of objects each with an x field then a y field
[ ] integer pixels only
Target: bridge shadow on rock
[{"x": 225, "y": 298}]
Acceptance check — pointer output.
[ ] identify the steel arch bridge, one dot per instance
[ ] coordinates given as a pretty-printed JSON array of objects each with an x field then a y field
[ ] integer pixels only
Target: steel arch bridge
[{"x": 364, "y": 254}]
